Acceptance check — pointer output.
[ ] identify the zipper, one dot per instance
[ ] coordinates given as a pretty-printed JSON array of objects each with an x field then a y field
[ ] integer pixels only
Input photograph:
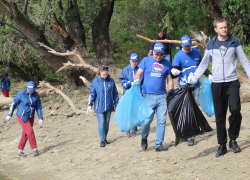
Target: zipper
[
  {"x": 134, "y": 75},
  {"x": 30, "y": 105},
  {"x": 105, "y": 94}
]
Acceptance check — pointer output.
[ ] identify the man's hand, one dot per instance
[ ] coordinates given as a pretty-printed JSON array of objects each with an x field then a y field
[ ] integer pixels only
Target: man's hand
[
  {"x": 175, "y": 72},
  {"x": 137, "y": 80},
  {"x": 88, "y": 109},
  {"x": 178, "y": 48},
  {"x": 8, "y": 118},
  {"x": 210, "y": 77}
]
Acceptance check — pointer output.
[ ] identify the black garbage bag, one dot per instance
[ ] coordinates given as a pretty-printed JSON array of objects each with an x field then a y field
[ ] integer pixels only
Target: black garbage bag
[{"x": 186, "y": 118}]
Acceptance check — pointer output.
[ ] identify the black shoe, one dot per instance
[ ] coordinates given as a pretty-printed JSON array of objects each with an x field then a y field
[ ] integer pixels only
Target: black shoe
[
  {"x": 144, "y": 144},
  {"x": 221, "y": 150},
  {"x": 106, "y": 142},
  {"x": 234, "y": 146},
  {"x": 102, "y": 144},
  {"x": 160, "y": 148},
  {"x": 191, "y": 142}
]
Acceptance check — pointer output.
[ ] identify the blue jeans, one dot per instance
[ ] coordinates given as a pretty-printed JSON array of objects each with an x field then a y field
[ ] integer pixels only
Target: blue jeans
[
  {"x": 103, "y": 124},
  {"x": 196, "y": 93},
  {"x": 159, "y": 104},
  {"x": 167, "y": 57}
]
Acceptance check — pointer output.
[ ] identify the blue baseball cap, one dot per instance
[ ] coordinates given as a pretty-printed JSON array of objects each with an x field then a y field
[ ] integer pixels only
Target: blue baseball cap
[
  {"x": 5, "y": 74},
  {"x": 134, "y": 57},
  {"x": 186, "y": 41},
  {"x": 159, "y": 47},
  {"x": 30, "y": 86}
]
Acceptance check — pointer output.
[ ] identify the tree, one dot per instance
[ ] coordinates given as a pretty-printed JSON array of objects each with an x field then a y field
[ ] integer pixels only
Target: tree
[{"x": 59, "y": 24}]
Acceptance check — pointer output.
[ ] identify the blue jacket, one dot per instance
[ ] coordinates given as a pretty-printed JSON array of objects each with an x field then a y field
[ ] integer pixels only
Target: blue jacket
[
  {"x": 5, "y": 84},
  {"x": 103, "y": 94},
  {"x": 127, "y": 77},
  {"x": 224, "y": 69},
  {"x": 27, "y": 104}
]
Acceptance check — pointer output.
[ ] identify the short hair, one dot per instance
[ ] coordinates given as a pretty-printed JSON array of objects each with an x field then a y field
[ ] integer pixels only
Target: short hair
[
  {"x": 218, "y": 20},
  {"x": 160, "y": 30}
]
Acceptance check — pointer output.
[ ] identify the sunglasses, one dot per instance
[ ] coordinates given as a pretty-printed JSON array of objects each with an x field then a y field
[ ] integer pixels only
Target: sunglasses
[
  {"x": 159, "y": 54},
  {"x": 105, "y": 68}
]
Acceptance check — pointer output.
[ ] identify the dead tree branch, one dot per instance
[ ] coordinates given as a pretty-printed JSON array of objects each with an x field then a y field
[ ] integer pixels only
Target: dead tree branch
[
  {"x": 45, "y": 84},
  {"x": 25, "y": 7}
]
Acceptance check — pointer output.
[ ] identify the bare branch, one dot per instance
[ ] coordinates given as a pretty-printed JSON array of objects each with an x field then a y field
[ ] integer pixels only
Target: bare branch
[
  {"x": 25, "y": 7},
  {"x": 70, "y": 64},
  {"x": 3, "y": 22},
  {"x": 197, "y": 44},
  {"x": 45, "y": 84}
]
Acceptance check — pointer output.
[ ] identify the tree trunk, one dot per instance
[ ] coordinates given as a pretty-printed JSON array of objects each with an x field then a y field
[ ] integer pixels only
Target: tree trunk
[{"x": 100, "y": 33}]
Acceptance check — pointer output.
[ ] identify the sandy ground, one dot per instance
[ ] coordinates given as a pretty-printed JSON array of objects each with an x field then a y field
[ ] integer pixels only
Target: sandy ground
[{"x": 69, "y": 148}]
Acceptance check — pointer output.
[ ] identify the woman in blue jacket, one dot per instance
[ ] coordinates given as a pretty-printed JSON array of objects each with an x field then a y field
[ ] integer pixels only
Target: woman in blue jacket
[
  {"x": 104, "y": 95},
  {"x": 27, "y": 101},
  {"x": 127, "y": 77}
]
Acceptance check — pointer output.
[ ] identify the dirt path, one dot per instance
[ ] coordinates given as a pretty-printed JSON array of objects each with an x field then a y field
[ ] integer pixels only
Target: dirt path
[{"x": 69, "y": 149}]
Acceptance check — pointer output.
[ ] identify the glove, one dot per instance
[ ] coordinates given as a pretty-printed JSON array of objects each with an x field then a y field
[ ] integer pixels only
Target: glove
[
  {"x": 137, "y": 80},
  {"x": 88, "y": 109},
  {"x": 40, "y": 122},
  {"x": 8, "y": 118},
  {"x": 150, "y": 53},
  {"x": 210, "y": 77},
  {"x": 178, "y": 48},
  {"x": 175, "y": 72}
]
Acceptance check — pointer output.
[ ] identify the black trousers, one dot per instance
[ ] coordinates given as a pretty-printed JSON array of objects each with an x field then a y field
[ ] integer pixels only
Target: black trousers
[{"x": 224, "y": 94}]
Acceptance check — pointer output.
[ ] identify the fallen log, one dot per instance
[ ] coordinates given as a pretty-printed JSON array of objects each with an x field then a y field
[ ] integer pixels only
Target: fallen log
[
  {"x": 5, "y": 101},
  {"x": 45, "y": 84}
]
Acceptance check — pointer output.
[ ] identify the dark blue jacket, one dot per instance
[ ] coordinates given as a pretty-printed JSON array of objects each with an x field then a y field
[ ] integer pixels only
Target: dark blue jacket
[
  {"x": 167, "y": 45},
  {"x": 27, "y": 104},
  {"x": 103, "y": 94},
  {"x": 5, "y": 84},
  {"x": 127, "y": 77}
]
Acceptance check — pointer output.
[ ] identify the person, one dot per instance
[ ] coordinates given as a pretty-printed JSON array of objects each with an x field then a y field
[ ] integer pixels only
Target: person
[
  {"x": 27, "y": 101},
  {"x": 186, "y": 61},
  {"x": 103, "y": 94},
  {"x": 127, "y": 77},
  {"x": 5, "y": 85},
  {"x": 224, "y": 50},
  {"x": 156, "y": 71},
  {"x": 167, "y": 52}
]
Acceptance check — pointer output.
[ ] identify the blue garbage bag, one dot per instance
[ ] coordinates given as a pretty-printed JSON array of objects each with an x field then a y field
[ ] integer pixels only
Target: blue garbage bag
[
  {"x": 132, "y": 109},
  {"x": 206, "y": 98}
]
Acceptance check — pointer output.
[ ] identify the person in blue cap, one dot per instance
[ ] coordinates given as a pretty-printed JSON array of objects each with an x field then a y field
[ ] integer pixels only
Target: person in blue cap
[
  {"x": 104, "y": 95},
  {"x": 156, "y": 70},
  {"x": 5, "y": 85},
  {"x": 186, "y": 61},
  {"x": 27, "y": 102},
  {"x": 127, "y": 77}
]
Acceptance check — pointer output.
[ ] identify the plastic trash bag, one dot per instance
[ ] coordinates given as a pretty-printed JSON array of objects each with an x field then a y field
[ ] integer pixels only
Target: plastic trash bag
[
  {"x": 132, "y": 109},
  {"x": 206, "y": 98},
  {"x": 186, "y": 118}
]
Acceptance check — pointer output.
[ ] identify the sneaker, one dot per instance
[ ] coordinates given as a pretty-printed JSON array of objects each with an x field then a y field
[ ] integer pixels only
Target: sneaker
[
  {"x": 160, "y": 148},
  {"x": 102, "y": 144},
  {"x": 106, "y": 142},
  {"x": 127, "y": 134},
  {"x": 234, "y": 146},
  {"x": 21, "y": 154},
  {"x": 191, "y": 142},
  {"x": 133, "y": 133},
  {"x": 36, "y": 153},
  {"x": 221, "y": 150}
]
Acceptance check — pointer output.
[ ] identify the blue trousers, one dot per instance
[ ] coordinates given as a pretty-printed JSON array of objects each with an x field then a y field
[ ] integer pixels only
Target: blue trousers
[{"x": 103, "y": 124}]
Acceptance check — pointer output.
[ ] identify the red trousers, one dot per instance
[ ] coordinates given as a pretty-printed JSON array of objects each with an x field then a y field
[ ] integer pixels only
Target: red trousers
[
  {"x": 27, "y": 133},
  {"x": 5, "y": 93}
]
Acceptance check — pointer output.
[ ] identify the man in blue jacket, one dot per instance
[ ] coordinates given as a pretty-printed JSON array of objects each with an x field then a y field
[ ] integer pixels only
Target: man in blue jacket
[
  {"x": 156, "y": 71},
  {"x": 5, "y": 85},
  {"x": 224, "y": 50},
  {"x": 127, "y": 77},
  {"x": 167, "y": 51}
]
